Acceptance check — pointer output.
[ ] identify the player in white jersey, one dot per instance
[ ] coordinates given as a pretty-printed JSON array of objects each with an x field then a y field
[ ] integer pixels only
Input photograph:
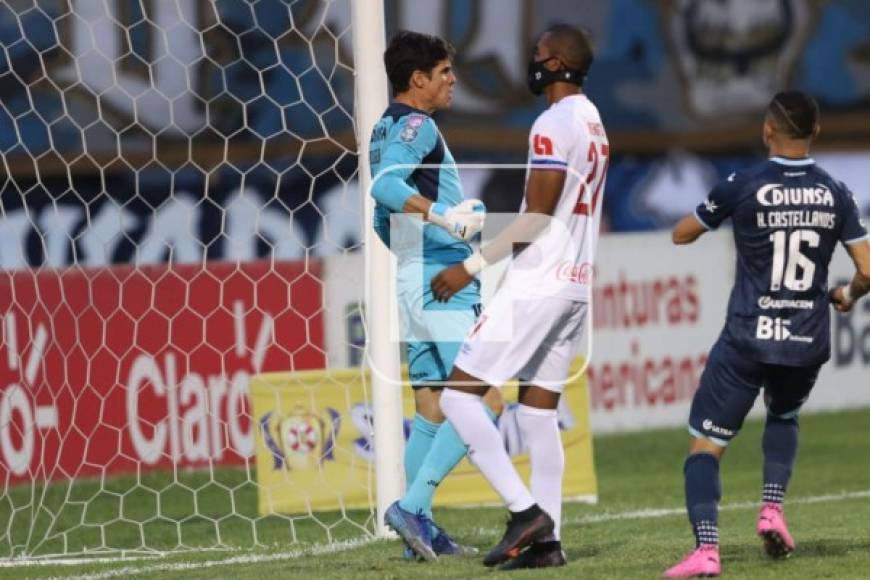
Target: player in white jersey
[
  {"x": 569, "y": 138},
  {"x": 531, "y": 328}
]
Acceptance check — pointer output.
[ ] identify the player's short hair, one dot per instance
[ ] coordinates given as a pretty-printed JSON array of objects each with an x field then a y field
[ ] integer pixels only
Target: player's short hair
[
  {"x": 794, "y": 113},
  {"x": 412, "y": 51},
  {"x": 571, "y": 45}
]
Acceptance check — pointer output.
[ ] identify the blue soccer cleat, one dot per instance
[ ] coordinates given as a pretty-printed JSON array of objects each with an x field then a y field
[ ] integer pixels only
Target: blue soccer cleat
[
  {"x": 411, "y": 528},
  {"x": 444, "y": 545}
]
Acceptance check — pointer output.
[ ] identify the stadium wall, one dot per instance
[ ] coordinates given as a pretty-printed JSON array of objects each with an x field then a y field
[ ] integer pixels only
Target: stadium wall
[{"x": 170, "y": 386}]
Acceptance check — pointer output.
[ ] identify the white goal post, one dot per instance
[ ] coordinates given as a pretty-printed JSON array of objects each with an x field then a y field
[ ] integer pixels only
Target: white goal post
[{"x": 371, "y": 98}]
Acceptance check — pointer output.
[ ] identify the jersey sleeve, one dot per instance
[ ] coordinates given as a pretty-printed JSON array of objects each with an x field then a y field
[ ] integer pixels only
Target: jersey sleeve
[
  {"x": 853, "y": 230},
  {"x": 410, "y": 140},
  {"x": 549, "y": 143},
  {"x": 719, "y": 205}
]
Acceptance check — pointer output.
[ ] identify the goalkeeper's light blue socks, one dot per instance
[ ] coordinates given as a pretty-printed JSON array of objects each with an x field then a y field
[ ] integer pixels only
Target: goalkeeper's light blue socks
[
  {"x": 417, "y": 447},
  {"x": 446, "y": 452}
]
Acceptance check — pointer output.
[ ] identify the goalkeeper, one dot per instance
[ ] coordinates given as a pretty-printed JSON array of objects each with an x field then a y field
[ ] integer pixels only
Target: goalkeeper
[{"x": 413, "y": 172}]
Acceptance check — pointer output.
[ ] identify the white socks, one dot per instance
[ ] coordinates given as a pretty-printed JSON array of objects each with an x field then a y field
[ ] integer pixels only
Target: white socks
[
  {"x": 485, "y": 447},
  {"x": 540, "y": 431}
]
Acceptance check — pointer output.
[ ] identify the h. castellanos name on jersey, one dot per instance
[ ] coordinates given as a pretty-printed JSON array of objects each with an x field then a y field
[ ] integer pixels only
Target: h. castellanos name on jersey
[{"x": 774, "y": 195}]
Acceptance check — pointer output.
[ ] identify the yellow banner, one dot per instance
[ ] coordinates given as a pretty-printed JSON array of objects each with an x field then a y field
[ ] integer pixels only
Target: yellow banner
[{"x": 314, "y": 450}]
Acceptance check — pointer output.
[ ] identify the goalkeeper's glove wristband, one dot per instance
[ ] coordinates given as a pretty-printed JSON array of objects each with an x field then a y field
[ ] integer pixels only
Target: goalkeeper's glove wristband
[
  {"x": 438, "y": 215},
  {"x": 462, "y": 221},
  {"x": 474, "y": 263}
]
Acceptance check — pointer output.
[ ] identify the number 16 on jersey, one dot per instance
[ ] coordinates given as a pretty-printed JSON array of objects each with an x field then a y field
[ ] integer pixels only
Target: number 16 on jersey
[{"x": 784, "y": 270}]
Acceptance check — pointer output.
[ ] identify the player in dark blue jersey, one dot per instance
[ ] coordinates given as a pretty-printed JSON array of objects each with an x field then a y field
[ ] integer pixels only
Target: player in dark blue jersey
[
  {"x": 788, "y": 215},
  {"x": 413, "y": 172}
]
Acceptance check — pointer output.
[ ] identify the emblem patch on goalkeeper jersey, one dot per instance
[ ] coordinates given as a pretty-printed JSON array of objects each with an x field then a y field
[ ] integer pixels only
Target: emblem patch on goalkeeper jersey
[{"x": 408, "y": 134}]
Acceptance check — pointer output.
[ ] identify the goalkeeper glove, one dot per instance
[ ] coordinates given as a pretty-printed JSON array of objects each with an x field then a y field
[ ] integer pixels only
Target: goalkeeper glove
[{"x": 461, "y": 221}]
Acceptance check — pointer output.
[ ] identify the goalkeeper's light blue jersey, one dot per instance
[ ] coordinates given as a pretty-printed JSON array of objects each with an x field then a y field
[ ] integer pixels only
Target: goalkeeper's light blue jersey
[{"x": 402, "y": 140}]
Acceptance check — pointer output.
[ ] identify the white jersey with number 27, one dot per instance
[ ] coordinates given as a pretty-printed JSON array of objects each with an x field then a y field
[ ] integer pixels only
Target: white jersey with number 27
[{"x": 569, "y": 137}]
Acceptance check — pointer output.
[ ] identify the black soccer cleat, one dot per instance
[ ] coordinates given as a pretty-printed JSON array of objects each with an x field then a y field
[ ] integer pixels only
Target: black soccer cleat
[
  {"x": 538, "y": 555},
  {"x": 523, "y": 529}
]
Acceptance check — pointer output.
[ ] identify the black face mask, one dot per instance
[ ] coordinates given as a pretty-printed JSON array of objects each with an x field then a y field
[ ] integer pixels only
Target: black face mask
[{"x": 539, "y": 76}]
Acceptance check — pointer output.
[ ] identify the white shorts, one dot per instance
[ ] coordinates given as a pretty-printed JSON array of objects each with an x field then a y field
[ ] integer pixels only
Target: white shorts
[{"x": 536, "y": 345}]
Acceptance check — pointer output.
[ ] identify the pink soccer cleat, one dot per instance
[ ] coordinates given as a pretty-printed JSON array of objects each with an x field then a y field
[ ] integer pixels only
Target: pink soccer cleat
[
  {"x": 704, "y": 561},
  {"x": 778, "y": 543}
]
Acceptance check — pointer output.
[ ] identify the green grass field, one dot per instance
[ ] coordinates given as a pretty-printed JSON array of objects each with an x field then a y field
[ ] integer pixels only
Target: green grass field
[{"x": 637, "y": 529}]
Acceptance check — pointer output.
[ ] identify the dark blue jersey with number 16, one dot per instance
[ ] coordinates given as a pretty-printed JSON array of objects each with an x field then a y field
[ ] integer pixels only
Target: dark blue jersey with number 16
[{"x": 788, "y": 216}]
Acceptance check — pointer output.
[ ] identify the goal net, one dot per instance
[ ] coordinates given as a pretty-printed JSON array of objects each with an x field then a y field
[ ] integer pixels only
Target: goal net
[{"x": 175, "y": 176}]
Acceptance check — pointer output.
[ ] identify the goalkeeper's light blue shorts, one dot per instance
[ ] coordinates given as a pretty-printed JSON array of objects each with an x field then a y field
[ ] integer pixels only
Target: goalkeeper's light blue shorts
[{"x": 434, "y": 331}]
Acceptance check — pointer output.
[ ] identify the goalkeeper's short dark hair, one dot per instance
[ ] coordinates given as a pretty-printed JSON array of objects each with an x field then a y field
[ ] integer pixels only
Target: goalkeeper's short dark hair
[
  {"x": 411, "y": 51},
  {"x": 794, "y": 113}
]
